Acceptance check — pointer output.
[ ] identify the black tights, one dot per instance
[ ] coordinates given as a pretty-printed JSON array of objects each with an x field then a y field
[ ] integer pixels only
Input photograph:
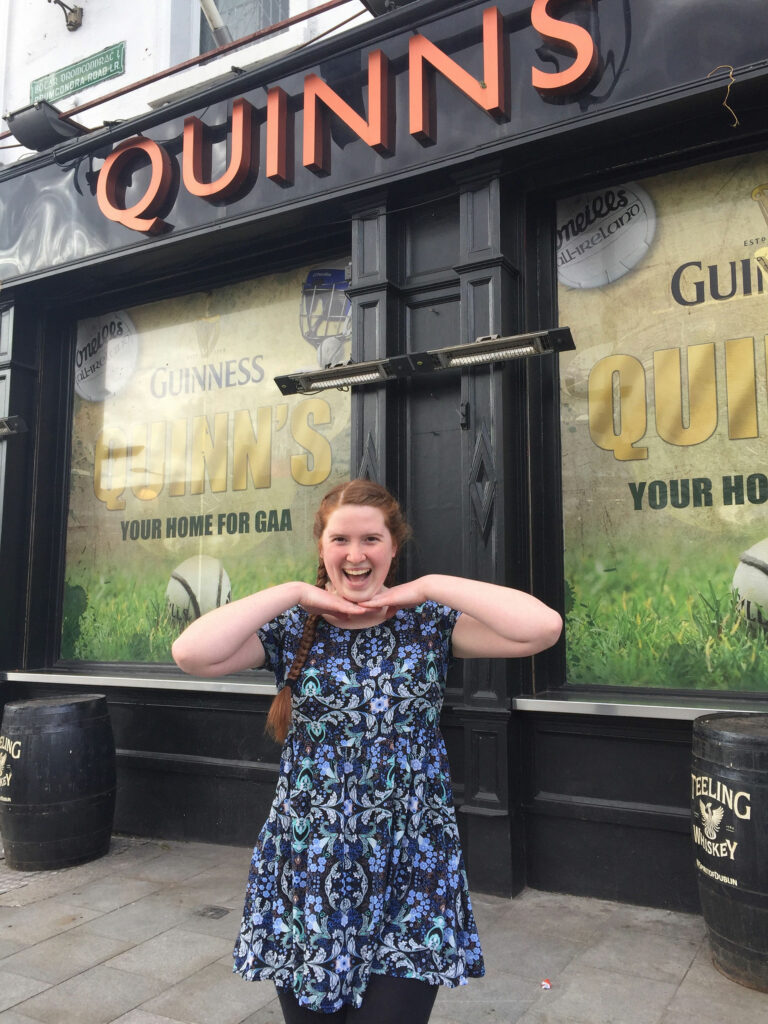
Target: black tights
[{"x": 386, "y": 1001}]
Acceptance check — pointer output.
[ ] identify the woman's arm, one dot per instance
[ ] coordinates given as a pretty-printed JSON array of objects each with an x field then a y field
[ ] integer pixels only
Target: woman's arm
[
  {"x": 225, "y": 639},
  {"x": 497, "y": 622}
]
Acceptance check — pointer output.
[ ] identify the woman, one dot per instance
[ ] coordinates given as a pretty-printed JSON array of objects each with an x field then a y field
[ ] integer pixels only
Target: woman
[{"x": 357, "y": 904}]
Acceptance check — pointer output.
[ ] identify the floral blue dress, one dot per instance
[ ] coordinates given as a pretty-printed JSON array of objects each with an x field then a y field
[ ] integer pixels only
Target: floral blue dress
[{"x": 358, "y": 869}]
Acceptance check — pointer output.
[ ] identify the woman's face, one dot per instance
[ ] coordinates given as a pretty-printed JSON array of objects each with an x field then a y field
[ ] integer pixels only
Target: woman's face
[{"x": 357, "y": 549}]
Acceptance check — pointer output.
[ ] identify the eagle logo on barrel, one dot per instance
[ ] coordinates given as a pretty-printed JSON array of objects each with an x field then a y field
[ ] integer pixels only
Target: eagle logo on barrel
[{"x": 711, "y": 819}]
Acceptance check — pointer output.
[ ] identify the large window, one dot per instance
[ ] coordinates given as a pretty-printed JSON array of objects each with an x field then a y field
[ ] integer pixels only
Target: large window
[
  {"x": 664, "y": 283},
  {"x": 192, "y": 478},
  {"x": 242, "y": 17}
]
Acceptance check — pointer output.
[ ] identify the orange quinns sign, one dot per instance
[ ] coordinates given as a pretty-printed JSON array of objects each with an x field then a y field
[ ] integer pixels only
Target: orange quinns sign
[
  {"x": 376, "y": 131},
  {"x": 556, "y": 32},
  {"x": 425, "y": 59},
  {"x": 196, "y": 155},
  {"x": 110, "y": 188},
  {"x": 490, "y": 94}
]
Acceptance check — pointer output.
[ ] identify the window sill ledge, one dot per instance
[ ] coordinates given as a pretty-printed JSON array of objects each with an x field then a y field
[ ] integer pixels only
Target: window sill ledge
[
  {"x": 103, "y": 680},
  {"x": 643, "y": 705}
]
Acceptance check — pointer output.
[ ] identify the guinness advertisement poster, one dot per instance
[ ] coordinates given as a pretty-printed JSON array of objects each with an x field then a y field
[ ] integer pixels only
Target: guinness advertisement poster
[
  {"x": 194, "y": 481},
  {"x": 664, "y": 283}
]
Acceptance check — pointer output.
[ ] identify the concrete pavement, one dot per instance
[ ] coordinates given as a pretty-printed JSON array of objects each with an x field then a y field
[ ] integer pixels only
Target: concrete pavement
[{"x": 144, "y": 935}]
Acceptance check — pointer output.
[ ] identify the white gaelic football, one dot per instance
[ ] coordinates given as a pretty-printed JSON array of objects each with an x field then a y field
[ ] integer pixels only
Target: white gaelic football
[
  {"x": 106, "y": 355},
  {"x": 750, "y": 581},
  {"x": 197, "y": 586},
  {"x": 603, "y": 235}
]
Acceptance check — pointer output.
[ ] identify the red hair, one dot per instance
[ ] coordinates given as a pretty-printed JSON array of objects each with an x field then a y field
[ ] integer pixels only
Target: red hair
[{"x": 355, "y": 492}]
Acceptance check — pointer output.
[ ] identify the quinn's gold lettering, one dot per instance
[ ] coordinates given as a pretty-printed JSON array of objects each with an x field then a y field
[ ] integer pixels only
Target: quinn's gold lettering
[
  {"x": 741, "y": 387},
  {"x": 617, "y": 406},
  {"x": 190, "y": 456},
  {"x": 685, "y": 397},
  {"x": 178, "y": 466},
  {"x": 209, "y": 453},
  {"x": 315, "y": 466},
  {"x": 109, "y": 468},
  {"x": 685, "y": 415},
  {"x": 147, "y": 464},
  {"x": 252, "y": 450}
]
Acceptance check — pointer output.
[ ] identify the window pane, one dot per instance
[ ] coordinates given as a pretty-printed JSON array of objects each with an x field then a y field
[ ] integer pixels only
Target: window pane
[
  {"x": 242, "y": 17},
  {"x": 664, "y": 418},
  {"x": 192, "y": 476}
]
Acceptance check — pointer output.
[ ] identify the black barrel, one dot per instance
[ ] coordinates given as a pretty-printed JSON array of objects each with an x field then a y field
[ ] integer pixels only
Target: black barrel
[
  {"x": 57, "y": 781},
  {"x": 729, "y": 810}
]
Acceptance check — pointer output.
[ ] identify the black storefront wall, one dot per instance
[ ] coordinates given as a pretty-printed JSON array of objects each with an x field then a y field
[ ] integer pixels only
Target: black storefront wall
[
  {"x": 653, "y": 75},
  {"x": 606, "y": 808},
  {"x": 449, "y": 241}
]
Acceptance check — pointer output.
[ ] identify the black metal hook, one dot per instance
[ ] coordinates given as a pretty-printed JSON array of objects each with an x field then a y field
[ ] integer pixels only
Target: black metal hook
[{"x": 72, "y": 15}]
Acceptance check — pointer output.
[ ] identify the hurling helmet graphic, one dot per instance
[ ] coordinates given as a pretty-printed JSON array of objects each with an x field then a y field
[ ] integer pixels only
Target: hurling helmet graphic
[{"x": 325, "y": 314}]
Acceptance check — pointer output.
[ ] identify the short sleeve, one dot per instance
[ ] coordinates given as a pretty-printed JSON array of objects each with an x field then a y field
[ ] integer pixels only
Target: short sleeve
[
  {"x": 446, "y": 620},
  {"x": 280, "y": 639},
  {"x": 439, "y": 619}
]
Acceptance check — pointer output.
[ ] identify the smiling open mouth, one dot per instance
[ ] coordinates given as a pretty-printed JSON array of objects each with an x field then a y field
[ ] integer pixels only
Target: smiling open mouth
[{"x": 356, "y": 574}]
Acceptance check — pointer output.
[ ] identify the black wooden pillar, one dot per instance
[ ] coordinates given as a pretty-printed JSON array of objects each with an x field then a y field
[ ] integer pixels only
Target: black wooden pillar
[
  {"x": 430, "y": 271},
  {"x": 496, "y": 549},
  {"x": 18, "y": 383},
  {"x": 375, "y": 334}
]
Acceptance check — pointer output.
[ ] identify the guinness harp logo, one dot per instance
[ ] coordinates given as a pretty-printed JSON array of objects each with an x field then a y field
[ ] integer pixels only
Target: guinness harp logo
[{"x": 760, "y": 195}]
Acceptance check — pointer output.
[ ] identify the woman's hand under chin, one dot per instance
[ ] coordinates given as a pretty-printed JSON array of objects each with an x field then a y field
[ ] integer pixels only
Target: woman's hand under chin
[
  {"x": 392, "y": 599},
  {"x": 317, "y": 601}
]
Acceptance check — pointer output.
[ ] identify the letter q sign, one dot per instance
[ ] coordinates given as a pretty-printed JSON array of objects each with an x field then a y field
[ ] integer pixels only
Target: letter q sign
[{"x": 111, "y": 186}]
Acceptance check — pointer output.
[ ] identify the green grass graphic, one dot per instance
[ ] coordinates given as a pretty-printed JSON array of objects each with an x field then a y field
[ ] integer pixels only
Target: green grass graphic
[
  {"x": 120, "y": 617},
  {"x": 639, "y": 623}
]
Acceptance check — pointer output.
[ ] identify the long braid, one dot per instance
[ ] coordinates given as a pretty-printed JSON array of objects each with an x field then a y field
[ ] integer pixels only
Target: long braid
[
  {"x": 279, "y": 717},
  {"x": 308, "y": 636}
]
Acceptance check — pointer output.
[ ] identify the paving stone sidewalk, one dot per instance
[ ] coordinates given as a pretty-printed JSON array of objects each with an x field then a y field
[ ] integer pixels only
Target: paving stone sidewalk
[{"x": 144, "y": 935}]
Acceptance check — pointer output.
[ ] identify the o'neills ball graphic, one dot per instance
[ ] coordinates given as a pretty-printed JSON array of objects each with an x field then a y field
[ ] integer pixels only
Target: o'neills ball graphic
[
  {"x": 197, "y": 586},
  {"x": 750, "y": 581},
  {"x": 603, "y": 235},
  {"x": 105, "y": 356}
]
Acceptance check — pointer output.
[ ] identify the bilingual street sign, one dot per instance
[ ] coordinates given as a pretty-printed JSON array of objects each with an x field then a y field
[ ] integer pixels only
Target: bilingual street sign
[{"x": 107, "y": 63}]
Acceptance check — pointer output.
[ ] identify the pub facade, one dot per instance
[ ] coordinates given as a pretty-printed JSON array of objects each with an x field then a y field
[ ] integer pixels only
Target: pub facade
[{"x": 441, "y": 174}]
